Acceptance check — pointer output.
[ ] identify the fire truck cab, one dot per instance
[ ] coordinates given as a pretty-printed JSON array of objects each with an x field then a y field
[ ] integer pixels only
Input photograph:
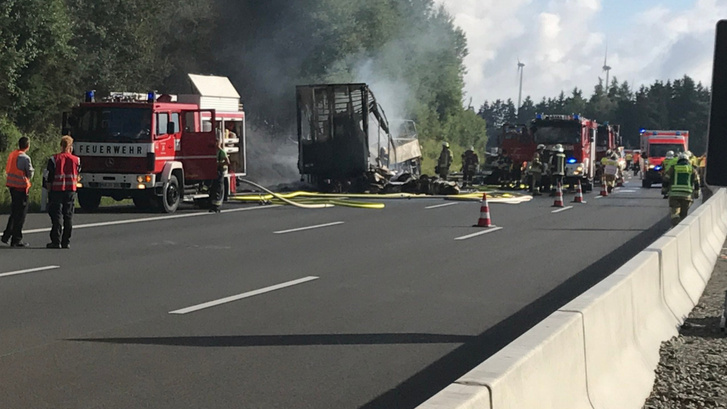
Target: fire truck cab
[
  {"x": 578, "y": 137},
  {"x": 654, "y": 146},
  {"x": 157, "y": 150}
]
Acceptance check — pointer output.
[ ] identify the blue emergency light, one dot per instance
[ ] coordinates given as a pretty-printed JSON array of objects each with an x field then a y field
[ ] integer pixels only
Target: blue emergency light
[
  {"x": 151, "y": 97},
  {"x": 576, "y": 117},
  {"x": 572, "y": 160},
  {"x": 538, "y": 116},
  {"x": 91, "y": 96},
  {"x": 642, "y": 130},
  {"x": 657, "y": 168}
]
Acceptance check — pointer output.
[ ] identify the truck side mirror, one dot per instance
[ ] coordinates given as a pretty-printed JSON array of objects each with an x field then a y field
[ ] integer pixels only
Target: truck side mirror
[{"x": 717, "y": 139}]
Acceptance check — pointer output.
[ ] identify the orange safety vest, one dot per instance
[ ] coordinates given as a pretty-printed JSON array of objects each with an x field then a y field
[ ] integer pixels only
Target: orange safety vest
[
  {"x": 65, "y": 176},
  {"x": 16, "y": 177}
]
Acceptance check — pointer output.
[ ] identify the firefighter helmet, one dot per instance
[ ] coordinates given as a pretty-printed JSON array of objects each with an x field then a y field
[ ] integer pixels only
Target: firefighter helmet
[
  {"x": 670, "y": 155},
  {"x": 689, "y": 154},
  {"x": 559, "y": 148},
  {"x": 541, "y": 147},
  {"x": 445, "y": 144},
  {"x": 684, "y": 155}
]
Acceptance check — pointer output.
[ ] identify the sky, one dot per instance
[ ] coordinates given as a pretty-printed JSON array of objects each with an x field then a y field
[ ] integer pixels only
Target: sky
[{"x": 563, "y": 43}]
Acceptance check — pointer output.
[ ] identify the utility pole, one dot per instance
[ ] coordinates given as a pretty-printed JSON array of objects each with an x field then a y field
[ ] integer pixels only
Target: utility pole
[{"x": 520, "y": 67}]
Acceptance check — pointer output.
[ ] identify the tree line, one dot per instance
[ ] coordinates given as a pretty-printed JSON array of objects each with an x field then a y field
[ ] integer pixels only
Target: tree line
[
  {"x": 681, "y": 104},
  {"x": 52, "y": 51}
]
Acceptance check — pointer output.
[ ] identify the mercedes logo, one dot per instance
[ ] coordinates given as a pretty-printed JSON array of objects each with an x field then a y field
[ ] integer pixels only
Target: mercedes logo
[{"x": 109, "y": 162}]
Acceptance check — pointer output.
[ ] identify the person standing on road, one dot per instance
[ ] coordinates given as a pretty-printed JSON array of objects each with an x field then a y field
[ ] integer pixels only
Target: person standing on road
[
  {"x": 683, "y": 183},
  {"x": 535, "y": 168},
  {"x": 445, "y": 161},
  {"x": 470, "y": 161},
  {"x": 217, "y": 190},
  {"x": 19, "y": 170},
  {"x": 61, "y": 181},
  {"x": 557, "y": 167}
]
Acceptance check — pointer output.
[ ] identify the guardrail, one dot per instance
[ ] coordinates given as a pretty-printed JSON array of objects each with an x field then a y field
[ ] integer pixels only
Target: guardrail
[{"x": 600, "y": 350}]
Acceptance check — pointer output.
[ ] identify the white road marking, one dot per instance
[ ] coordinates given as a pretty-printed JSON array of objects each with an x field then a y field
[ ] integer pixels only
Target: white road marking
[
  {"x": 308, "y": 228},
  {"x": 489, "y": 230},
  {"x": 243, "y": 295},
  {"x": 562, "y": 210},
  {"x": 626, "y": 191},
  {"x": 441, "y": 205},
  {"x": 30, "y": 270},
  {"x": 598, "y": 197},
  {"x": 152, "y": 219}
]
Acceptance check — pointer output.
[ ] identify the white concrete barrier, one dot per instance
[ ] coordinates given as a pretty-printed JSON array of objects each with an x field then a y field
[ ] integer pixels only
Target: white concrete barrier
[
  {"x": 688, "y": 236},
  {"x": 544, "y": 369},
  {"x": 707, "y": 231},
  {"x": 625, "y": 320},
  {"x": 719, "y": 210},
  {"x": 687, "y": 268},
  {"x": 680, "y": 292}
]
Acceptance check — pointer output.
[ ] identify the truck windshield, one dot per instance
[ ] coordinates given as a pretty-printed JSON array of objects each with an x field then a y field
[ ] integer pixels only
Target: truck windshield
[
  {"x": 660, "y": 150},
  {"x": 568, "y": 134},
  {"x": 107, "y": 124}
]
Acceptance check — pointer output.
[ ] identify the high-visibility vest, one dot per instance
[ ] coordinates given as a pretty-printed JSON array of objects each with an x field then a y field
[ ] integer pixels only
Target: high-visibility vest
[
  {"x": 16, "y": 178},
  {"x": 65, "y": 176},
  {"x": 610, "y": 167},
  {"x": 681, "y": 185}
]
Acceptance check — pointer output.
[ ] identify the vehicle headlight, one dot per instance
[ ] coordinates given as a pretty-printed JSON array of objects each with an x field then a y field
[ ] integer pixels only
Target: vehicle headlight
[
  {"x": 651, "y": 166},
  {"x": 140, "y": 179},
  {"x": 579, "y": 169}
]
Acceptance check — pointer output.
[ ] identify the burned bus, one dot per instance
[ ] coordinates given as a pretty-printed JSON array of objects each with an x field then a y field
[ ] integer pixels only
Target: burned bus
[{"x": 344, "y": 138}]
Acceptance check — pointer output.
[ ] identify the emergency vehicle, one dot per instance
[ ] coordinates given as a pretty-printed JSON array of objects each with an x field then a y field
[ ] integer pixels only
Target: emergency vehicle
[
  {"x": 578, "y": 137},
  {"x": 157, "y": 150},
  {"x": 608, "y": 138},
  {"x": 517, "y": 141},
  {"x": 654, "y": 146}
]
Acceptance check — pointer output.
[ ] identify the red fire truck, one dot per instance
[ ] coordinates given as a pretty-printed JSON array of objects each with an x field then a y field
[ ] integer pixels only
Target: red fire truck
[
  {"x": 158, "y": 150},
  {"x": 654, "y": 146},
  {"x": 517, "y": 141},
  {"x": 578, "y": 137}
]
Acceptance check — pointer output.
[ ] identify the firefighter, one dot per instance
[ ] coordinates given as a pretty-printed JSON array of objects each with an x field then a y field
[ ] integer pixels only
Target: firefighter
[
  {"x": 683, "y": 188},
  {"x": 61, "y": 180},
  {"x": 535, "y": 169},
  {"x": 504, "y": 165},
  {"x": 557, "y": 167},
  {"x": 702, "y": 167},
  {"x": 611, "y": 169},
  {"x": 444, "y": 162},
  {"x": 217, "y": 190},
  {"x": 669, "y": 160},
  {"x": 629, "y": 160},
  {"x": 470, "y": 161},
  {"x": 19, "y": 170}
]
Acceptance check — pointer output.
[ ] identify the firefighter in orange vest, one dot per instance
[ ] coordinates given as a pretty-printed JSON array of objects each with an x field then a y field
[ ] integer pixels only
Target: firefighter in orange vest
[
  {"x": 19, "y": 171},
  {"x": 61, "y": 180}
]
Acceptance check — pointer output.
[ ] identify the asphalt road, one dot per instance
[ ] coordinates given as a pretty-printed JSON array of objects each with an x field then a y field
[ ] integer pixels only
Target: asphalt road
[{"x": 372, "y": 309}]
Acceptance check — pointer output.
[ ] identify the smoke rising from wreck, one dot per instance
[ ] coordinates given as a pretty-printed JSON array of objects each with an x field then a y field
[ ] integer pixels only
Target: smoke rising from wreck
[{"x": 267, "y": 48}]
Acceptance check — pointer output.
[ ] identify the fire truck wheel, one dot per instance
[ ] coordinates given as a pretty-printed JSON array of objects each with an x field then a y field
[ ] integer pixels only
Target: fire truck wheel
[
  {"x": 171, "y": 196},
  {"x": 89, "y": 200}
]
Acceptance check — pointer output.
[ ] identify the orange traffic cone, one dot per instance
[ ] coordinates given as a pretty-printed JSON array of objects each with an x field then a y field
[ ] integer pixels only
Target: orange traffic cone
[
  {"x": 579, "y": 194},
  {"x": 484, "y": 220},
  {"x": 604, "y": 190},
  {"x": 558, "y": 196}
]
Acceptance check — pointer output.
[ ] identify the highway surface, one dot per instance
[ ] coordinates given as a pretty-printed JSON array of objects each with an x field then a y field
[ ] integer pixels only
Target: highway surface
[{"x": 277, "y": 307}]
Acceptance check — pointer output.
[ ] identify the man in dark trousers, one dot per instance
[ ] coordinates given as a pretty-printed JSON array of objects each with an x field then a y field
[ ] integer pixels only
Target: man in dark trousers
[
  {"x": 61, "y": 180},
  {"x": 19, "y": 170}
]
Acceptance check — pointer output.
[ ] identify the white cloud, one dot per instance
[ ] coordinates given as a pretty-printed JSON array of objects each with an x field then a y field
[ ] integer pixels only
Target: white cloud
[{"x": 562, "y": 48}]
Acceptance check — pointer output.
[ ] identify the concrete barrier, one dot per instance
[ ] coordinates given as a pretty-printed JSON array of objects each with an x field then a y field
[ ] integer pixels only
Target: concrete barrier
[
  {"x": 719, "y": 210},
  {"x": 708, "y": 231},
  {"x": 680, "y": 292},
  {"x": 544, "y": 368},
  {"x": 687, "y": 235},
  {"x": 625, "y": 319}
]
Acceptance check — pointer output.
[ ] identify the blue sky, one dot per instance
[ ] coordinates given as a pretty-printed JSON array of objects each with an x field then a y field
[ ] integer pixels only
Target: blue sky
[{"x": 562, "y": 43}]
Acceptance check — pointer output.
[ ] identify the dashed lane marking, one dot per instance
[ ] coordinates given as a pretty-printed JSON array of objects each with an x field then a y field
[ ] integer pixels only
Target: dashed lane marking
[
  {"x": 562, "y": 210},
  {"x": 441, "y": 205},
  {"x": 30, "y": 270},
  {"x": 152, "y": 219},
  {"x": 489, "y": 230},
  {"x": 243, "y": 295},
  {"x": 319, "y": 226}
]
